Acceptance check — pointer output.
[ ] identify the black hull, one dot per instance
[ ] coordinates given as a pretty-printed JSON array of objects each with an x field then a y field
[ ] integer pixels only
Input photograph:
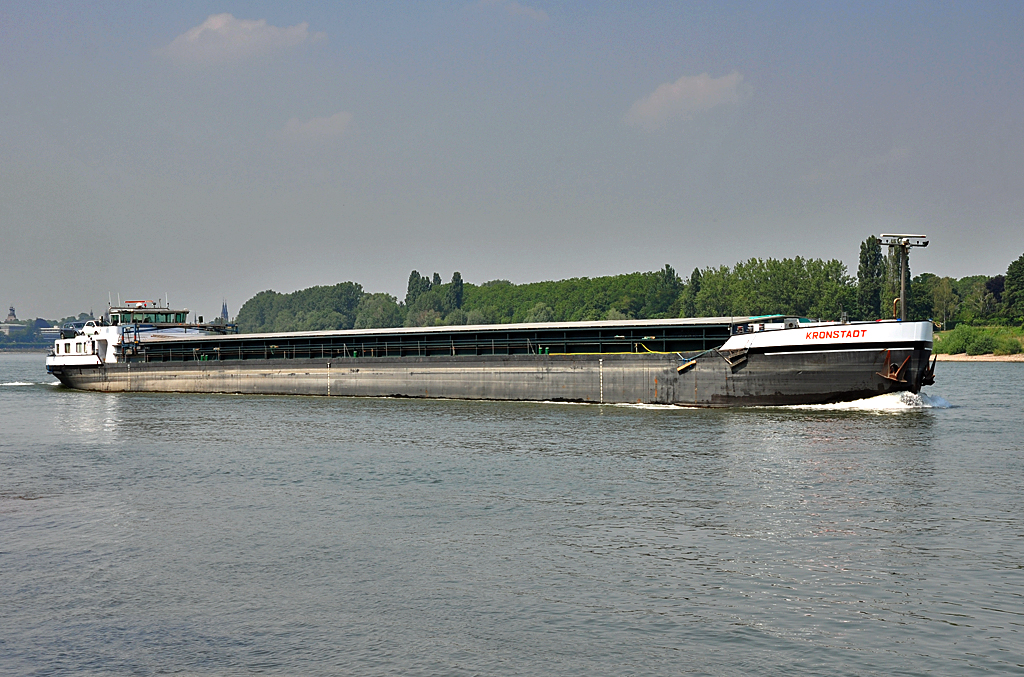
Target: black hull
[{"x": 715, "y": 379}]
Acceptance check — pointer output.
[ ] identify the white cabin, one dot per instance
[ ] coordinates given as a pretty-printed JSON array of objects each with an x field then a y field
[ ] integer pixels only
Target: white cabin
[{"x": 96, "y": 342}]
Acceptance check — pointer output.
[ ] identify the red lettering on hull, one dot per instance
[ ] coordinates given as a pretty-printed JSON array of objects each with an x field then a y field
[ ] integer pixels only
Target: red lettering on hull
[{"x": 836, "y": 334}]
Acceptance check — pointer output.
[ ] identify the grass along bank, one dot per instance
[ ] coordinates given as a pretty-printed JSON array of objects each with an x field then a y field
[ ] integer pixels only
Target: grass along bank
[{"x": 979, "y": 341}]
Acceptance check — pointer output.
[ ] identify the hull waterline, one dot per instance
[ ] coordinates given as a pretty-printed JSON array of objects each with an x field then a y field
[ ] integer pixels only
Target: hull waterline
[{"x": 714, "y": 379}]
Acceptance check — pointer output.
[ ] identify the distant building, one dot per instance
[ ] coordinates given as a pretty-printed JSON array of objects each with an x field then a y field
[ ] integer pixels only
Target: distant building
[
  {"x": 10, "y": 324},
  {"x": 223, "y": 311}
]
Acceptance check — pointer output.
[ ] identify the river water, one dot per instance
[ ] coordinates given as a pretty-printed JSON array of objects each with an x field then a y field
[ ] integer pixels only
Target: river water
[{"x": 153, "y": 534}]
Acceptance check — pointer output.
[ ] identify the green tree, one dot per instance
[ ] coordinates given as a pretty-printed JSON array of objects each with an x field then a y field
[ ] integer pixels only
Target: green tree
[
  {"x": 995, "y": 286},
  {"x": 453, "y": 294},
  {"x": 432, "y": 299},
  {"x": 921, "y": 299},
  {"x": 1013, "y": 290},
  {"x": 870, "y": 274},
  {"x": 572, "y": 299},
  {"x": 258, "y": 313},
  {"x": 662, "y": 290},
  {"x": 713, "y": 298},
  {"x": 797, "y": 286},
  {"x": 457, "y": 316},
  {"x": 418, "y": 284},
  {"x": 971, "y": 291},
  {"x": 684, "y": 305},
  {"x": 541, "y": 312},
  {"x": 832, "y": 290},
  {"x": 315, "y": 308},
  {"x": 423, "y": 318},
  {"x": 944, "y": 300},
  {"x": 378, "y": 310},
  {"x": 480, "y": 316}
]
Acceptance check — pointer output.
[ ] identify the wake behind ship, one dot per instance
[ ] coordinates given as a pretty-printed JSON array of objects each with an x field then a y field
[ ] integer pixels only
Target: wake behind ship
[{"x": 706, "y": 362}]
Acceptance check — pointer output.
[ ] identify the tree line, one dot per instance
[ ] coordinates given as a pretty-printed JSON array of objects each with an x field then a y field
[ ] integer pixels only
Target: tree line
[{"x": 790, "y": 286}]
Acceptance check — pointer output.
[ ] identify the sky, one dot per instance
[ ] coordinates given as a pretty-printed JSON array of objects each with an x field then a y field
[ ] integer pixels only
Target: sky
[{"x": 212, "y": 150}]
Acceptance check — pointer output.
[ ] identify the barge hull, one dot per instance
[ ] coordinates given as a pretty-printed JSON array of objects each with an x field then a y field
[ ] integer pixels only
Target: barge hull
[{"x": 714, "y": 379}]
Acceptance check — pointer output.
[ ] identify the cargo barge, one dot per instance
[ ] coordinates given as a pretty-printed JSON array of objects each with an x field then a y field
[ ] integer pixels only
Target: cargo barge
[{"x": 705, "y": 362}]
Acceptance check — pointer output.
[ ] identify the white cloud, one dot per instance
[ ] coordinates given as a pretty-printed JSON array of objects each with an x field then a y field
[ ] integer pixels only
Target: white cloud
[
  {"x": 332, "y": 126},
  {"x": 223, "y": 38},
  {"x": 516, "y": 9},
  {"x": 685, "y": 97}
]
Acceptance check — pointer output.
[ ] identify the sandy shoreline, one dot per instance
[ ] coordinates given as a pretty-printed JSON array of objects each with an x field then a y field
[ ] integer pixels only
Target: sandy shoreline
[{"x": 964, "y": 357}]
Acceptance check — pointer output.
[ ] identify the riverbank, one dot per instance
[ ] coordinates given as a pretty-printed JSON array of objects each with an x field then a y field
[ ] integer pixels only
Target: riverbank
[
  {"x": 964, "y": 357},
  {"x": 980, "y": 342}
]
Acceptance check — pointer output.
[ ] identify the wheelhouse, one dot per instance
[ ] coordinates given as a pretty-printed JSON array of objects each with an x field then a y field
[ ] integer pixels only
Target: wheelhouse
[{"x": 147, "y": 312}]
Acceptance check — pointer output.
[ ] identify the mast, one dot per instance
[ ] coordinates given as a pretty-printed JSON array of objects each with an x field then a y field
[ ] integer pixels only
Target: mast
[{"x": 904, "y": 242}]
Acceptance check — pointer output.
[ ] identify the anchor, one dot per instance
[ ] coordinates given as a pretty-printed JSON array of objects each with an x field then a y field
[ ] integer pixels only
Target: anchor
[
  {"x": 734, "y": 358},
  {"x": 928, "y": 375},
  {"x": 891, "y": 372}
]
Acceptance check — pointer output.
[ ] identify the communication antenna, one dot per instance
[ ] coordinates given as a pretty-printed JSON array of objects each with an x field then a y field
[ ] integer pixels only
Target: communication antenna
[{"x": 904, "y": 242}]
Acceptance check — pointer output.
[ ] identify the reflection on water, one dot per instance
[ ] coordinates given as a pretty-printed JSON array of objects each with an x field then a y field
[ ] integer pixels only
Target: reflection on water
[
  {"x": 296, "y": 535},
  {"x": 90, "y": 418}
]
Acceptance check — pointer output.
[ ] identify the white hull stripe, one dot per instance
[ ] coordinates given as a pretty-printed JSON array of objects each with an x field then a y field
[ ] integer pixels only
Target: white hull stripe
[
  {"x": 840, "y": 347},
  {"x": 816, "y": 349}
]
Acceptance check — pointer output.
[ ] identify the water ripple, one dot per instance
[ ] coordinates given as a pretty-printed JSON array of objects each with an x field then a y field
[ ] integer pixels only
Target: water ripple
[{"x": 294, "y": 535}]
